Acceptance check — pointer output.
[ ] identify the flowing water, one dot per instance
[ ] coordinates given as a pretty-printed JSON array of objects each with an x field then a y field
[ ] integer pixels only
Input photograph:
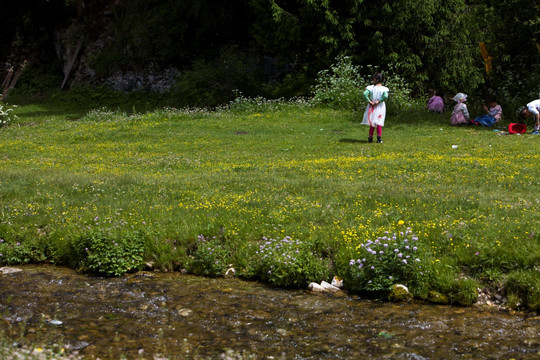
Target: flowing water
[{"x": 188, "y": 317}]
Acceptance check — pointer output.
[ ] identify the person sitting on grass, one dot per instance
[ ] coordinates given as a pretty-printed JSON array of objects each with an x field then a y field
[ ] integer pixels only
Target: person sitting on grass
[
  {"x": 436, "y": 102},
  {"x": 493, "y": 113},
  {"x": 460, "y": 114},
  {"x": 533, "y": 109}
]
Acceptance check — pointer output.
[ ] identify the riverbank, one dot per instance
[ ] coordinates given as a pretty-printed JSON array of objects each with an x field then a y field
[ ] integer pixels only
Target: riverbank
[
  {"x": 152, "y": 315},
  {"x": 283, "y": 193}
]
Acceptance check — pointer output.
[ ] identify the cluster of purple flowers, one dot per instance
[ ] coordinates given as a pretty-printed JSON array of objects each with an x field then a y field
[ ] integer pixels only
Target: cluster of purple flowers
[
  {"x": 205, "y": 241},
  {"x": 384, "y": 259},
  {"x": 281, "y": 250}
]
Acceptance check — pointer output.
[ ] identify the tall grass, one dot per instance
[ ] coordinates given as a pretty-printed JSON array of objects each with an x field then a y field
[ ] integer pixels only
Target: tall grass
[{"x": 259, "y": 170}]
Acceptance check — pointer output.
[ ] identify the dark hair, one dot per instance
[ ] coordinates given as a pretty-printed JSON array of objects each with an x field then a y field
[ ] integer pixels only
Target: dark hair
[
  {"x": 524, "y": 112},
  {"x": 378, "y": 78},
  {"x": 439, "y": 93},
  {"x": 490, "y": 99}
]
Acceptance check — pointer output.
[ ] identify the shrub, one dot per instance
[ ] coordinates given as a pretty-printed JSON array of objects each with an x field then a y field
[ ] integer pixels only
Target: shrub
[
  {"x": 388, "y": 260},
  {"x": 445, "y": 278},
  {"x": 109, "y": 254},
  {"x": 288, "y": 263},
  {"x": 210, "y": 257},
  {"x": 242, "y": 104},
  {"x": 209, "y": 84},
  {"x": 13, "y": 253},
  {"x": 524, "y": 286},
  {"x": 342, "y": 87}
]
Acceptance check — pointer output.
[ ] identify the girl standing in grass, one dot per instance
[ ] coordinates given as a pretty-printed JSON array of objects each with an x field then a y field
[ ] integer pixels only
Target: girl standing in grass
[{"x": 375, "y": 113}]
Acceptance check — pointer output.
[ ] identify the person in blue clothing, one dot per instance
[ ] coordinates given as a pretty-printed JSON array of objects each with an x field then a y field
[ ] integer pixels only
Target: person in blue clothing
[{"x": 493, "y": 113}]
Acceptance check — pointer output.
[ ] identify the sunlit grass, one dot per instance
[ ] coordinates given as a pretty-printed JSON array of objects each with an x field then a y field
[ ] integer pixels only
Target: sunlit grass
[{"x": 469, "y": 194}]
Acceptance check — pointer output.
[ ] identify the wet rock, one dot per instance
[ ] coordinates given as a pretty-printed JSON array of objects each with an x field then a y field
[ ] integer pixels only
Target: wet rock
[
  {"x": 329, "y": 287},
  {"x": 9, "y": 270},
  {"x": 325, "y": 287},
  {"x": 258, "y": 314},
  {"x": 437, "y": 297},
  {"x": 399, "y": 293},
  {"x": 314, "y": 287},
  {"x": 79, "y": 345},
  {"x": 185, "y": 312},
  {"x": 55, "y": 322}
]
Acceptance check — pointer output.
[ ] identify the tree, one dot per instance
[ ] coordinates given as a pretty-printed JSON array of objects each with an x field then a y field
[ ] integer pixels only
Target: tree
[{"x": 429, "y": 42}]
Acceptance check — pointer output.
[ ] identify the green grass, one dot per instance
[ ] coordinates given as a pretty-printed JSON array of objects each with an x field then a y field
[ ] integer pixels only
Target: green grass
[{"x": 274, "y": 170}]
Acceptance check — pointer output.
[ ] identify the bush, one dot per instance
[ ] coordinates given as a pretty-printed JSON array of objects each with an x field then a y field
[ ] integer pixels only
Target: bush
[
  {"x": 16, "y": 253},
  {"x": 445, "y": 279},
  {"x": 109, "y": 254},
  {"x": 342, "y": 87},
  {"x": 524, "y": 286},
  {"x": 288, "y": 263},
  {"x": 209, "y": 84},
  {"x": 389, "y": 260},
  {"x": 210, "y": 257}
]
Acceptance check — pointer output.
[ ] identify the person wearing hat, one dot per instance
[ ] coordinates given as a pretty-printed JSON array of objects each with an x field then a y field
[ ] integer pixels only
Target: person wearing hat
[
  {"x": 533, "y": 109},
  {"x": 460, "y": 115}
]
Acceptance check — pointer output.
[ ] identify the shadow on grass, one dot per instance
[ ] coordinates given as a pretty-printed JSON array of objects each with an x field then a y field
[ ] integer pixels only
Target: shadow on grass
[{"x": 353, "y": 141}]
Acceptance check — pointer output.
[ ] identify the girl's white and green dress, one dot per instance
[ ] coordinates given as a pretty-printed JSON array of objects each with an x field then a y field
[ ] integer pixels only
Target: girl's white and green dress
[{"x": 375, "y": 115}]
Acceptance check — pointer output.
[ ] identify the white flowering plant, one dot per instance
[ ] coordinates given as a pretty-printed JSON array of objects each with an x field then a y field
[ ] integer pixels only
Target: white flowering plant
[
  {"x": 5, "y": 116},
  {"x": 288, "y": 262},
  {"x": 388, "y": 260}
]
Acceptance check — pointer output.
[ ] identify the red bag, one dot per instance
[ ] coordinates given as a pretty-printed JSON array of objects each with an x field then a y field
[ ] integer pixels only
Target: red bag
[{"x": 517, "y": 128}]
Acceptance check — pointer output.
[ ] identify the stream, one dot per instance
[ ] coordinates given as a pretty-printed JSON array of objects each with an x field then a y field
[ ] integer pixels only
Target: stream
[{"x": 186, "y": 317}]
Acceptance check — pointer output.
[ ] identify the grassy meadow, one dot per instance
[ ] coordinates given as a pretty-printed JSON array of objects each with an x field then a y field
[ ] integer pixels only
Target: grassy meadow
[{"x": 285, "y": 193}]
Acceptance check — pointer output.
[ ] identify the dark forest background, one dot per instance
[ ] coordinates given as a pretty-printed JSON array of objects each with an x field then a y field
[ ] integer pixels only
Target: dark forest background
[{"x": 211, "y": 49}]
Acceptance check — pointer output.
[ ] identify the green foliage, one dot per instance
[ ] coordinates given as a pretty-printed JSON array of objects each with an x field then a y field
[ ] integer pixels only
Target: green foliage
[
  {"x": 36, "y": 81},
  {"x": 210, "y": 257},
  {"x": 390, "y": 259},
  {"x": 342, "y": 87},
  {"x": 13, "y": 253},
  {"x": 109, "y": 254},
  {"x": 524, "y": 286},
  {"x": 444, "y": 278},
  {"x": 243, "y": 104},
  {"x": 288, "y": 263},
  {"x": 512, "y": 42},
  {"x": 435, "y": 45},
  {"x": 165, "y": 253},
  {"x": 213, "y": 83}
]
